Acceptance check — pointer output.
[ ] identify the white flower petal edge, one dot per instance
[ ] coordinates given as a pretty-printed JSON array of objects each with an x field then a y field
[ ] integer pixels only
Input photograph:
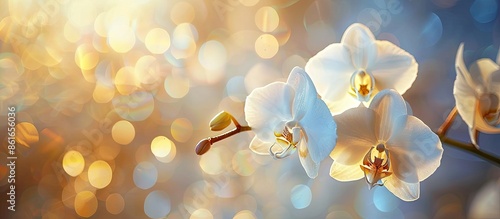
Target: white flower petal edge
[
  {"x": 477, "y": 92},
  {"x": 290, "y": 116},
  {"x": 358, "y": 67},
  {"x": 386, "y": 145}
]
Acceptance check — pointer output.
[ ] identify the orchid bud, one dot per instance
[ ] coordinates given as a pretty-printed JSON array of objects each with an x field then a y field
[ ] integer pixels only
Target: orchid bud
[
  {"x": 203, "y": 146},
  {"x": 220, "y": 121}
]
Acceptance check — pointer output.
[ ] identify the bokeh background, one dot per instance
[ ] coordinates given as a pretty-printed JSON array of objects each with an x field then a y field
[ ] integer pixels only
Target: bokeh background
[{"x": 112, "y": 97}]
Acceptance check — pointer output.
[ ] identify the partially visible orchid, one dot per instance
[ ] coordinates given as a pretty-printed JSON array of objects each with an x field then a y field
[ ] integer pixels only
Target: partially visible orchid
[
  {"x": 477, "y": 93},
  {"x": 287, "y": 116},
  {"x": 358, "y": 67},
  {"x": 386, "y": 146}
]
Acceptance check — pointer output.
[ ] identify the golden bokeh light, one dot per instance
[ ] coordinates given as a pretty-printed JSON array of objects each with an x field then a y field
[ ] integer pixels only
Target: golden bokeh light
[
  {"x": 212, "y": 55},
  {"x": 115, "y": 203},
  {"x": 161, "y": 146},
  {"x": 243, "y": 163},
  {"x": 249, "y": 3},
  {"x": 86, "y": 57},
  {"x": 123, "y": 132},
  {"x": 266, "y": 46},
  {"x": 85, "y": 204},
  {"x": 121, "y": 38},
  {"x": 181, "y": 129},
  {"x": 26, "y": 134},
  {"x": 176, "y": 86},
  {"x": 126, "y": 81},
  {"x": 201, "y": 214},
  {"x": 103, "y": 93},
  {"x": 267, "y": 19},
  {"x": 182, "y": 12},
  {"x": 244, "y": 214},
  {"x": 157, "y": 41},
  {"x": 100, "y": 174},
  {"x": 73, "y": 163}
]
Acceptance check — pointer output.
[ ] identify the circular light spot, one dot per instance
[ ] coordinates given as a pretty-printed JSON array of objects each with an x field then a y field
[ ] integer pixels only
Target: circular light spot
[
  {"x": 235, "y": 89},
  {"x": 266, "y": 46},
  {"x": 123, "y": 132},
  {"x": 103, "y": 93},
  {"x": 161, "y": 146},
  {"x": 85, "y": 204},
  {"x": 11, "y": 67},
  {"x": 145, "y": 175},
  {"x": 249, "y": 3},
  {"x": 115, "y": 203},
  {"x": 157, "y": 41},
  {"x": 121, "y": 38},
  {"x": 431, "y": 31},
  {"x": 86, "y": 57},
  {"x": 176, "y": 86},
  {"x": 184, "y": 40},
  {"x": 182, "y": 12},
  {"x": 267, "y": 19},
  {"x": 484, "y": 11},
  {"x": 212, "y": 55},
  {"x": 100, "y": 174},
  {"x": 126, "y": 81},
  {"x": 384, "y": 200},
  {"x": 137, "y": 106},
  {"x": 211, "y": 162},
  {"x": 242, "y": 163},
  {"x": 148, "y": 71},
  {"x": 201, "y": 214},
  {"x": 73, "y": 163},
  {"x": 26, "y": 134},
  {"x": 245, "y": 214},
  {"x": 181, "y": 129},
  {"x": 157, "y": 204},
  {"x": 301, "y": 196}
]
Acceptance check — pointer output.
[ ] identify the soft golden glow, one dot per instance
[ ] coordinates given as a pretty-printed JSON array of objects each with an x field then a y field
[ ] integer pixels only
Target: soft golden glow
[
  {"x": 266, "y": 46},
  {"x": 100, "y": 174},
  {"x": 123, "y": 132},
  {"x": 85, "y": 204},
  {"x": 73, "y": 163}
]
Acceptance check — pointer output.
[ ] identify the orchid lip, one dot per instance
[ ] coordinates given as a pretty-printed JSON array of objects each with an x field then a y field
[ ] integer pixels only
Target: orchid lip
[
  {"x": 287, "y": 140},
  {"x": 362, "y": 85},
  {"x": 376, "y": 166}
]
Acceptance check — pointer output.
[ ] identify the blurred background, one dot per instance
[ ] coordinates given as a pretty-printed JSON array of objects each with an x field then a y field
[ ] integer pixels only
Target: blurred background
[{"x": 111, "y": 98}]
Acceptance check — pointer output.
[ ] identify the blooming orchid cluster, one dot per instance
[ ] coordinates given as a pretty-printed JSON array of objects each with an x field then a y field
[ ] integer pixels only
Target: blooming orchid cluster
[{"x": 347, "y": 104}]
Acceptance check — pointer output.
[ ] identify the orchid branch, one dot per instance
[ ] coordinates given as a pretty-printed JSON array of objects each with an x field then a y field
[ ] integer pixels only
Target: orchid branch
[{"x": 468, "y": 147}]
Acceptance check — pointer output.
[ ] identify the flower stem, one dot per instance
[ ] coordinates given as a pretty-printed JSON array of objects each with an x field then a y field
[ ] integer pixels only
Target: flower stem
[
  {"x": 470, "y": 148},
  {"x": 447, "y": 123},
  {"x": 234, "y": 131}
]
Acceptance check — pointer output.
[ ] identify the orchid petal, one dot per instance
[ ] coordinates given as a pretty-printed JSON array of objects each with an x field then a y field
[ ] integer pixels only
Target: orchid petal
[
  {"x": 481, "y": 125},
  {"x": 465, "y": 99},
  {"x": 346, "y": 173},
  {"x": 268, "y": 106},
  {"x": 403, "y": 190},
  {"x": 415, "y": 151},
  {"x": 389, "y": 105},
  {"x": 261, "y": 147},
  {"x": 472, "y": 80},
  {"x": 409, "y": 110},
  {"x": 320, "y": 130},
  {"x": 305, "y": 92},
  {"x": 356, "y": 136},
  {"x": 473, "y": 133},
  {"x": 309, "y": 165},
  {"x": 394, "y": 68},
  {"x": 332, "y": 64},
  {"x": 361, "y": 43},
  {"x": 484, "y": 68}
]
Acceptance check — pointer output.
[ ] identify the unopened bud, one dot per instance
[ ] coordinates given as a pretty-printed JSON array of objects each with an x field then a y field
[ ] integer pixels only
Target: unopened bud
[
  {"x": 203, "y": 146},
  {"x": 220, "y": 121}
]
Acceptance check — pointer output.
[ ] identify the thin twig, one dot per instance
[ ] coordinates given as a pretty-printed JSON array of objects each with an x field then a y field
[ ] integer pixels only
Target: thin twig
[
  {"x": 447, "y": 123},
  {"x": 468, "y": 147}
]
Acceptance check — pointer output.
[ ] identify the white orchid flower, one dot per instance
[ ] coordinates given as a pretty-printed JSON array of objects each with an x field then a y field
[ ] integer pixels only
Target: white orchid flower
[
  {"x": 477, "y": 93},
  {"x": 288, "y": 115},
  {"x": 386, "y": 146},
  {"x": 355, "y": 69}
]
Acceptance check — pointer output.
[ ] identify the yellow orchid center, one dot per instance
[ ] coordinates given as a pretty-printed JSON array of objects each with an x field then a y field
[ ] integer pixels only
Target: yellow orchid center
[
  {"x": 376, "y": 165},
  {"x": 287, "y": 139},
  {"x": 362, "y": 85},
  {"x": 489, "y": 107}
]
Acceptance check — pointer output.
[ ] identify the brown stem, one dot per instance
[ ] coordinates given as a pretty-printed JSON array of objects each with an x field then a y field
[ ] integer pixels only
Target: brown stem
[
  {"x": 234, "y": 131},
  {"x": 468, "y": 147},
  {"x": 447, "y": 123}
]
